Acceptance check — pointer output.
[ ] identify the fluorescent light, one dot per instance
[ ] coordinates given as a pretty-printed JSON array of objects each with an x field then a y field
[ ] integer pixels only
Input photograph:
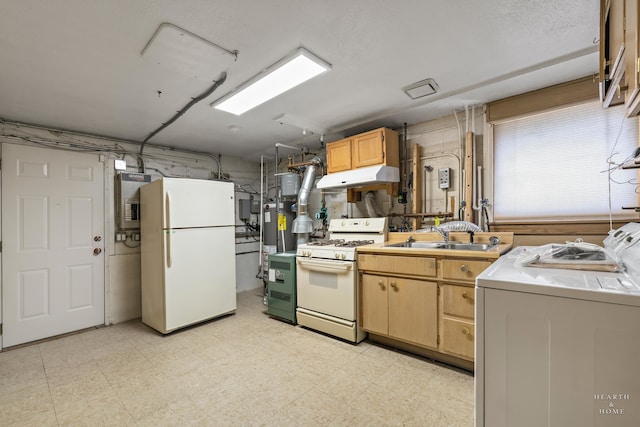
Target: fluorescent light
[{"x": 287, "y": 73}]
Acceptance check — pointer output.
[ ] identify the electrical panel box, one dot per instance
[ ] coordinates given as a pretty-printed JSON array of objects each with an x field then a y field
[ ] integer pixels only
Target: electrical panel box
[
  {"x": 255, "y": 205},
  {"x": 244, "y": 209},
  {"x": 128, "y": 198},
  {"x": 444, "y": 178}
]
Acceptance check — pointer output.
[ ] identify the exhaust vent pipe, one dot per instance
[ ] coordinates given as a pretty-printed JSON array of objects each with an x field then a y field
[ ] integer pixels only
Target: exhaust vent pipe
[
  {"x": 303, "y": 224},
  {"x": 370, "y": 204}
]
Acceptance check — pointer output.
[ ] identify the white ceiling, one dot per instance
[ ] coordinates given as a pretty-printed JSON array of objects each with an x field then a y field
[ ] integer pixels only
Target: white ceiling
[{"x": 77, "y": 64}]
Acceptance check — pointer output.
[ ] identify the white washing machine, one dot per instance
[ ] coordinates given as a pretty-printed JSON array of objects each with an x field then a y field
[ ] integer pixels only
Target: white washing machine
[{"x": 558, "y": 346}]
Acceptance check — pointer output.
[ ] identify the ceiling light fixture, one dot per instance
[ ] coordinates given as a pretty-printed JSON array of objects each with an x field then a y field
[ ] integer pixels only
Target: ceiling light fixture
[
  {"x": 421, "y": 88},
  {"x": 289, "y": 72}
]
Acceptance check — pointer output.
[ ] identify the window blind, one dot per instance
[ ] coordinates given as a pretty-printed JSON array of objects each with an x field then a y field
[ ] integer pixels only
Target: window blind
[{"x": 555, "y": 165}]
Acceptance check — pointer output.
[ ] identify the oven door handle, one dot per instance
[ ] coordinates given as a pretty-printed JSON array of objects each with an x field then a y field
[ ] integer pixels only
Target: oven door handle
[{"x": 325, "y": 266}]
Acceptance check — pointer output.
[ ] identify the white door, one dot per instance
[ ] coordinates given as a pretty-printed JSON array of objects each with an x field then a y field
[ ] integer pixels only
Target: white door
[{"x": 52, "y": 242}]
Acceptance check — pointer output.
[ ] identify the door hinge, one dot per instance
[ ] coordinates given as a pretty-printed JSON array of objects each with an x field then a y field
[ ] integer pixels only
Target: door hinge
[
  {"x": 438, "y": 340},
  {"x": 0, "y": 328},
  {"x": 438, "y": 290}
]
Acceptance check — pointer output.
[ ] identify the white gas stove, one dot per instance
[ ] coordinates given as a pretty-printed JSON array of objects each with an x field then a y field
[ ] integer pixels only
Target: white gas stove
[
  {"x": 327, "y": 277},
  {"x": 345, "y": 235}
]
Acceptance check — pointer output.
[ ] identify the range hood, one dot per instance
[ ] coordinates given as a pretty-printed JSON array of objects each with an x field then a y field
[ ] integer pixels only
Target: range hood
[{"x": 370, "y": 175}]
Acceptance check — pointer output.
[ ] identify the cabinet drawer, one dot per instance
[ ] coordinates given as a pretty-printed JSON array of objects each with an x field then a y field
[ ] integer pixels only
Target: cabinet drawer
[
  {"x": 458, "y": 301},
  {"x": 459, "y": 269},
  {"x": 458, "y": 338},
  {"x": 414, "y": 266}
]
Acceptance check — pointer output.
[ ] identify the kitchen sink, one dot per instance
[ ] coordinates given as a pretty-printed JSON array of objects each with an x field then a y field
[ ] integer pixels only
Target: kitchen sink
[
  {"x": 421, "y": 245},
  {"x": 460, "y": 246}
]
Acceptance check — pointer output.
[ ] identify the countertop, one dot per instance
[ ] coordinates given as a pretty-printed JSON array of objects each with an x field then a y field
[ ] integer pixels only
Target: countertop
[{"x": 506, "y": 243}]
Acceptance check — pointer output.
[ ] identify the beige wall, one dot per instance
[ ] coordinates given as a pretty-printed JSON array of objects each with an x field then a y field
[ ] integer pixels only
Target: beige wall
[
  {"x": 122, "y": 262},
  {"x": 441, "y": 144}
]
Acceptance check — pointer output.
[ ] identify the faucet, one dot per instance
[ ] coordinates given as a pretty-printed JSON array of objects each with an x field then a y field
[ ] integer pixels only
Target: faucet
[
  {"x": 407, "y": 242},
  {"x": 443, "y": 233}
]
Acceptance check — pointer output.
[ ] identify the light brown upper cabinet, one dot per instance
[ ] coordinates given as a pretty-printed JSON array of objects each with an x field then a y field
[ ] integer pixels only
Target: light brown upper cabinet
[
  {"x": 339, "y": 156},
  {"x": 632, "y": 57},
  {"x": 376, "y": 147},
  {"x": 619, "y": 74},
  {"x": 612, "y": 48}
]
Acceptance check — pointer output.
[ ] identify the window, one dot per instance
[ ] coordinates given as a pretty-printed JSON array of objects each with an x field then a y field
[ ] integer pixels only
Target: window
[{"x": 561, "y": 165}]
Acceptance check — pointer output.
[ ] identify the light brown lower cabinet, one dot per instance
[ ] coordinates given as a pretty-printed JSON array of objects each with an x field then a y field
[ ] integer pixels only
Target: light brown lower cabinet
[
  {"x": 432, "y": 314},
  {"x": 457, "y": 320},
  {"x": 400, "y": 308}
]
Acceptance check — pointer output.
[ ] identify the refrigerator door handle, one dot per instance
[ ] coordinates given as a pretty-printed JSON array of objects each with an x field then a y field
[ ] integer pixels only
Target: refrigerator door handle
[
  {"x": 167, "y": 211},
  {"x": 167, "y": 231}
]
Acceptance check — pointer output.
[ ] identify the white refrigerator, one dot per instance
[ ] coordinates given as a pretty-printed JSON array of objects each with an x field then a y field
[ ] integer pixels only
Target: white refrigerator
[{"x": 188, "y": 262}]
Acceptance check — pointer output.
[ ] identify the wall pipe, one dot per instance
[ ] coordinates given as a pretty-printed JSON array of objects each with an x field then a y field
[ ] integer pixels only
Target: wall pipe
[
  {"x": 263, "y": 174},
  {"x": 459, "y": 168},
  {"x": 424, "y": 198}
]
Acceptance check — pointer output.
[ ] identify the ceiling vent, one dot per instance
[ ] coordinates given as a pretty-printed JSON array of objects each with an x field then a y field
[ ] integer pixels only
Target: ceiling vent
[{"x": 421, "y": 88}]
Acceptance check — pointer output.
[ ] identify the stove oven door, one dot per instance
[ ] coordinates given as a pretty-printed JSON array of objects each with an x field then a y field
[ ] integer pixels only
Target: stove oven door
[{"x": 327, "y": 287}]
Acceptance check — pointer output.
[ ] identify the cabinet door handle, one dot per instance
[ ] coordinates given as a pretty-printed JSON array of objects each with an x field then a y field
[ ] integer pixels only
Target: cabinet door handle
[
  {"x": 465, "y": 330},
  {"x": 381, "y": 284},
  {"x": 394, "y": 286},
  {"x": 465, "y": 295},
  {"x": 464, "y": 268}
]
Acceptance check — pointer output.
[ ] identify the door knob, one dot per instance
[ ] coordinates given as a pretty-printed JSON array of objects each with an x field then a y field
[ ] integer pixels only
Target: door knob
[{"x": 97, "y": 251}]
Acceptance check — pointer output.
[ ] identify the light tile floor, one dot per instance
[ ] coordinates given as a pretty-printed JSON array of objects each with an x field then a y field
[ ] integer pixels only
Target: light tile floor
[{"x": 244, "y": 369}]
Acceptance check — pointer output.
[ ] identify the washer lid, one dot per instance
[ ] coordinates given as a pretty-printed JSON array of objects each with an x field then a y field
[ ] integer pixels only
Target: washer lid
[{"x": 614, "y": 287}]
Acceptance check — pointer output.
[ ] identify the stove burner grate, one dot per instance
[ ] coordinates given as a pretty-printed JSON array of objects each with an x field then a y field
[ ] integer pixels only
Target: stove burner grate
[
  {"x": 354, "y": 243},
  {"x": 340, "y": 243}
]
